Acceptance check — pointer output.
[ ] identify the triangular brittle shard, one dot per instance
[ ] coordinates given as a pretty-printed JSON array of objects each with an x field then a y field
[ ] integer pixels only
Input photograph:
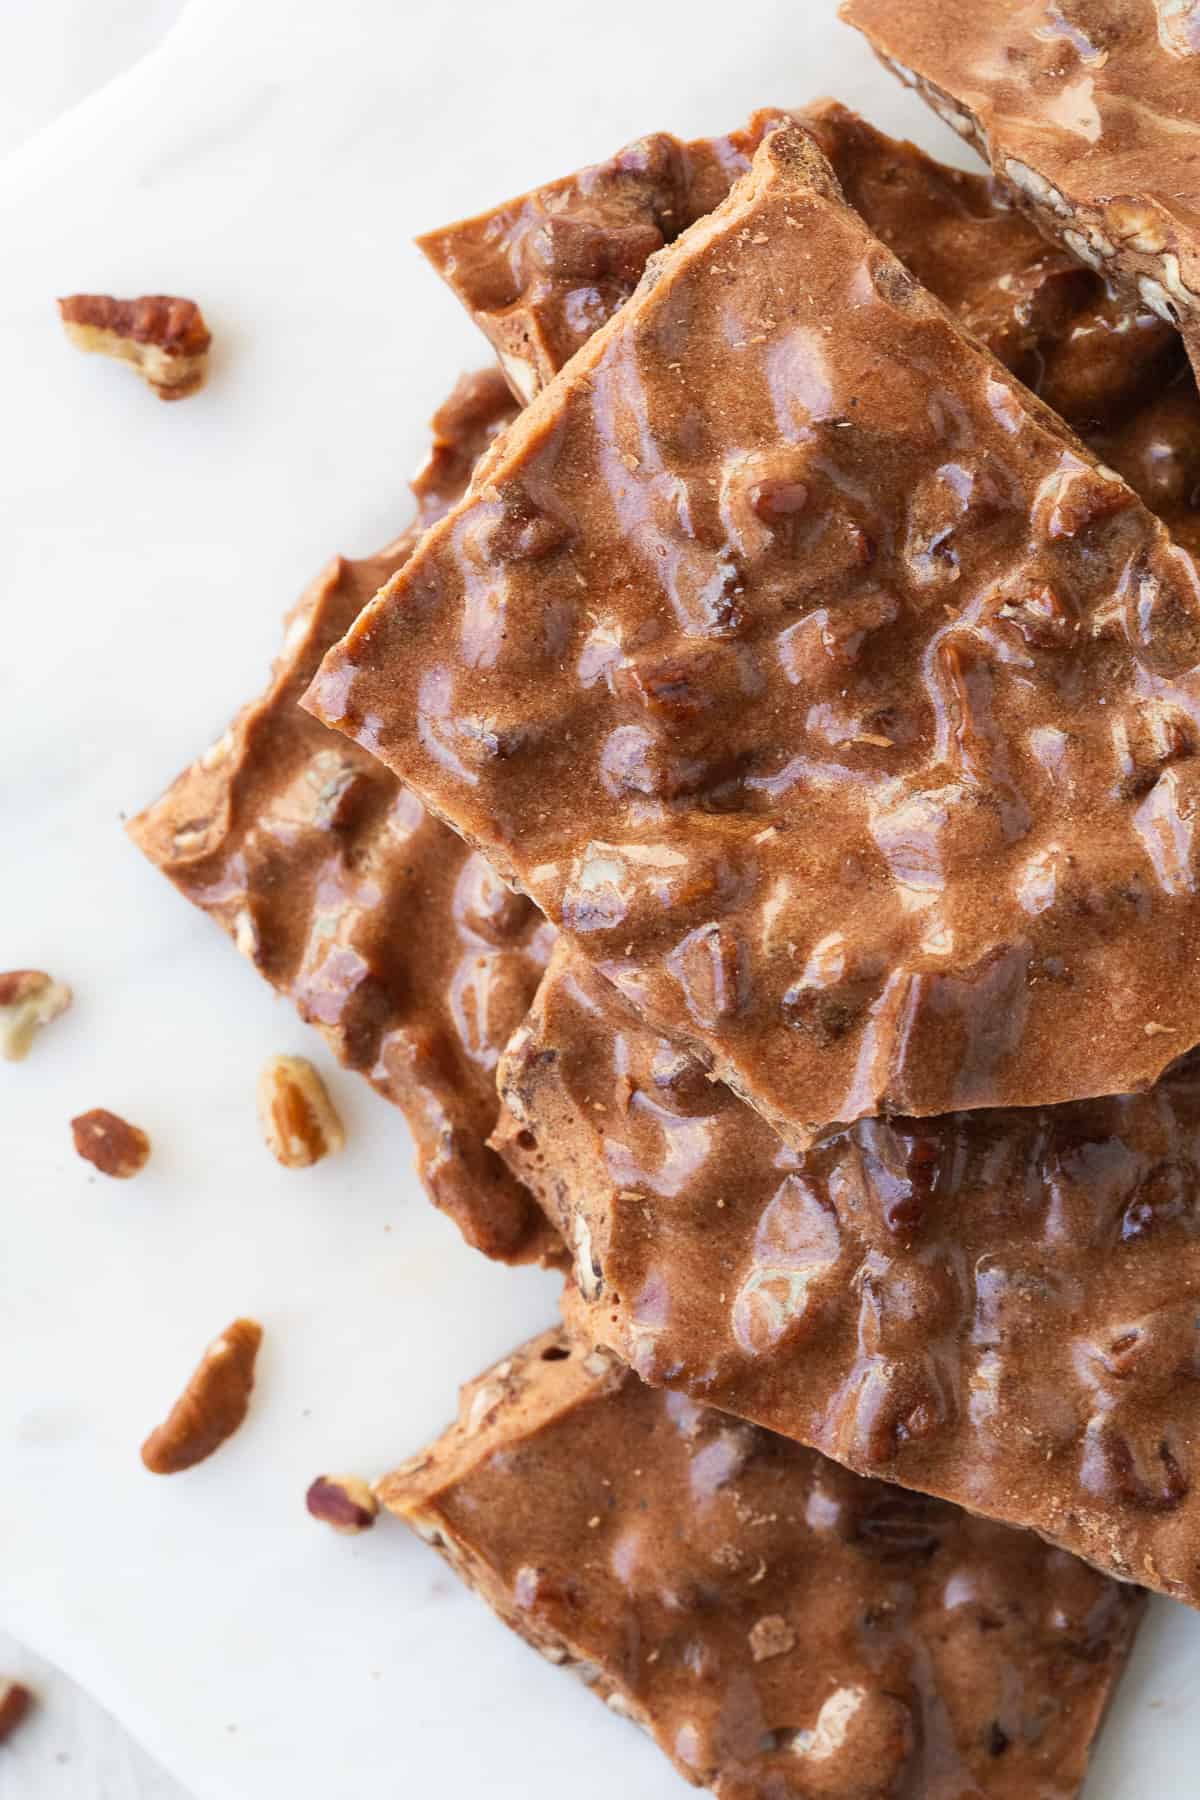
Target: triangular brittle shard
[
  {"x": 781, "y": 1627},
  {"x": 1089, "y": 113},
  {"x": 795, "y": 660},
  {"x": 995, "y": 1307}
]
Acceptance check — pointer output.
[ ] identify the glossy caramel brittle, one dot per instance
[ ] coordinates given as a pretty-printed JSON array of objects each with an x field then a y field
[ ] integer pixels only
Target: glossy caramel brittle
[
  {"x": 387, "y": 932},
  {"x": 540, "y": 273},
  {"x": 1089, "y": 112},
  {"x": 787, "y": 653},
  {"x": 781, "y": 1627},
  {"x": 995, "y": 1307}
]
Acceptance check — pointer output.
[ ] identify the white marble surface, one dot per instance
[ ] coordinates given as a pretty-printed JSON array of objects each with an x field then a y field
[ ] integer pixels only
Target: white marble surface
[
  {"x": 54, "y": 53},
  {"x": 68, "y": 1747},
  {"x": 274, "y": 159}
]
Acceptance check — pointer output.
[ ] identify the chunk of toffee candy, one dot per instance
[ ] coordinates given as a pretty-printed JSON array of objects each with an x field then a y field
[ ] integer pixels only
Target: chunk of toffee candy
[
  {"x": 786, "y": 652},
  {"x": 165, "y": 338},
  {"x": 998, "y": 1308},
  {"x": 1116, "y": 372},
  {"x": 1089, "y": 112},
  {"x": 779, "y": 1626},
  {"x": 539, "y": 274},
  {"x": 386, "y": 931}
]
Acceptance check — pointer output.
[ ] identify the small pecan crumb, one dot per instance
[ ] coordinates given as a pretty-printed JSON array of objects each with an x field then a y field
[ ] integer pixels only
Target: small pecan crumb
[
  {"x": 298, "y": 1117},
  {"x": 110, "y": 1143},
  {"x": 343, "y": 1501},
  {"x": 29, "y": 999},
  {"x": 211, "y": 1407},
  {"x": 15, "y": 1702},
  {"x": 165, "y": 338},
  {"x": 771, "y": 1636}
]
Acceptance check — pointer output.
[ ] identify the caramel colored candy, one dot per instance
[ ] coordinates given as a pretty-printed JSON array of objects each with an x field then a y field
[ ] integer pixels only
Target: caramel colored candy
[
  {"x": 779, "y": 1626},
  {"x": 386, "y": 931},
  {"x": 790, "y": 656}
]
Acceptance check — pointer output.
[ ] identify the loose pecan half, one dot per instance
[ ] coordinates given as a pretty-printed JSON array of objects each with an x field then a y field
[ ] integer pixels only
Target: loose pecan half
[
  {"x": 165, "y": 338},
  {"x": 211, "y": 1407}
]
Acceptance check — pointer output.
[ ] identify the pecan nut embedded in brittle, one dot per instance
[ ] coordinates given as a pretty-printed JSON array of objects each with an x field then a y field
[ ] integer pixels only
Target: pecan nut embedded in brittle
[
  {"x": 165, "y": 338},
  {"x": 298, "y": 1118},
  {"x": 211, "y": 1407},
  {"x": 862, "y": 829},
  {"x": 29, "y": 999},
  {"x": 110, "y": 1143},
  {"x": 1090, "y": 117}
]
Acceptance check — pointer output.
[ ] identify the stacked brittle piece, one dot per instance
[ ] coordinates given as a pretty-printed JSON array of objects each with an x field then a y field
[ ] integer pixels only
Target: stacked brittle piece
[{"x": 750, "y": 824}]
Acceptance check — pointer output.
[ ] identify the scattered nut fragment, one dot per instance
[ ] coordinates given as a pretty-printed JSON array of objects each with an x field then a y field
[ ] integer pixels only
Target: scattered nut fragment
[
  {"x": 165, "y": 338},
  {"x": 15, "y": 1702},
  {"x": 110, "y": 1143},
  {"x": 771, "y": 1636},
  {"x": 211, "y": 1407},
  {"x": 298, "y": 1117},
  {"x": 29, "y": 999},
  {"x": 343, "y": 1501}
]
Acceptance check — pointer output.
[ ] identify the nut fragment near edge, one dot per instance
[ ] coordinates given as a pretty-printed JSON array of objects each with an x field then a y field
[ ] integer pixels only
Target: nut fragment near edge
[
  {"x": 298, "y": 1118},
  {"x": 15, "y": 1702},
  {"x": 344, "y": 1502},
  {"x": 164, "y": 337},
  {"x": 110, "y": 1143},
  {"x": 211, "y": 1407},
  {"x": 29, "y": 999}
]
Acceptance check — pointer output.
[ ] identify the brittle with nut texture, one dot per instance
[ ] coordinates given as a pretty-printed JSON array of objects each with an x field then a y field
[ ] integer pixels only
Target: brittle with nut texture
[
  {"x": 782, "y": 1628},
  {"x": 542, "y": 272},
  {"x": 1050, "y": 320},
  {"x": 1089, "y": 112},
  {"x": 994, "y": 1307},
  {"x": 777, "y": 683},
  {"x": 165, "y": 338},
  {"x": 390, "y": 936},
  {"x": 539, "y": 274}
]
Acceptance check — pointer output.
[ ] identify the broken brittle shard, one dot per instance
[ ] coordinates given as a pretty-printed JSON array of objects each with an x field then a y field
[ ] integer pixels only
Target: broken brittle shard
[
  {"x": 994, "y": 1307},
  {"x": 540, "y": 273},
  {"x": 1089, "y": 112},
  {"x": 802, "y": 666},
  {"x": 782, "y": 1628},
  {"x": 385, "y": 930}
]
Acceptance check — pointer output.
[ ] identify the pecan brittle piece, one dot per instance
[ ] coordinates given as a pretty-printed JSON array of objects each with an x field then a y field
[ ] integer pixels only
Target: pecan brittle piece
[
  {"x": 783, "y": 1629},
  {"x": 813, "y": 870}
]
